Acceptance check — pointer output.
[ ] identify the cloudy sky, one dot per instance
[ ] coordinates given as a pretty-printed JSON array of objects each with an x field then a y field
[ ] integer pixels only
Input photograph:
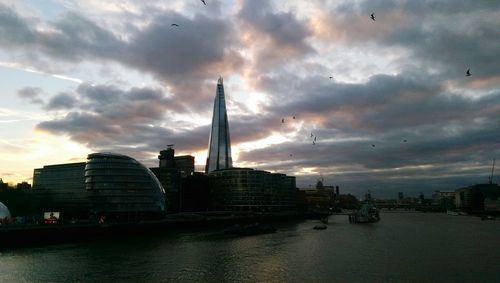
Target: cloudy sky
[{"x": 398, "y": 114}]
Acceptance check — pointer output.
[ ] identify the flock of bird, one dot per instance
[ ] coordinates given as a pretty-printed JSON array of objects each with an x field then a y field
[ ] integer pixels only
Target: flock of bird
[{"x": 313, "y": 137}]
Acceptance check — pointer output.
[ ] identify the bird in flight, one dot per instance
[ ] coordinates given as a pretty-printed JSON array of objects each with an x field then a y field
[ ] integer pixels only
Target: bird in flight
[
  {"x": 312, "y": 134},
  {"x": 314, "y": 142},
  {"x": 291, "y": 155},
  {"x": 372, "y": 16},
  {"x": 283, "y": 120},
  {"x": 331, "y": 78},
  {"x": 293, "y": 117},
  {"x": 468, "y": 74},
  {"x": 174, "y": 25},
  {"x": 373, "y": 145},
  {"x": 404, "y": 140},
  {"x": 315, "y": 138},
  {"x": 203, "y": 2}
]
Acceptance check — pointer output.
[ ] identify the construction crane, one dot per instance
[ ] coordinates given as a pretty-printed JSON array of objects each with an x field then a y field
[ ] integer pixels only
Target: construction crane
[{"x": 492, "y": 169}]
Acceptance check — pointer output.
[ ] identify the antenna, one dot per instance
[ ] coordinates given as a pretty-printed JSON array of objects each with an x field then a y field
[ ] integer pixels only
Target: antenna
[{"x": 492, "y": 169}]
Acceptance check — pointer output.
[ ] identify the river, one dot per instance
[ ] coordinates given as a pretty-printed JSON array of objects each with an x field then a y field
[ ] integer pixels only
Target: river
[{"x": 402, "y": 247}]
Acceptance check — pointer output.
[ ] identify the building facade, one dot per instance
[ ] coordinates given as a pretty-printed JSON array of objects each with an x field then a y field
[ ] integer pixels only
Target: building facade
[
  {"x": 170, "y": 172},
  {"x": 473, "y": 197},
  {"x": 107, "y": 184},
  {"x": 119, "y": 186},
  {"x": 219, "y": 145},
  {"x": 245, "y": 189},
  {"x": 61, "y": 187}
]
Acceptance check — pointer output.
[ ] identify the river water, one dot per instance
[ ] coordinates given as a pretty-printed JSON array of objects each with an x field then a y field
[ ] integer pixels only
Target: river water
[{"x": 402, "y": 247}]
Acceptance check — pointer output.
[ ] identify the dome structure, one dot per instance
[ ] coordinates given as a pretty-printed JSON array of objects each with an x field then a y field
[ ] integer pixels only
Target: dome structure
[
  {"x": 4, "y": 211},
  {"x": 118, "y": 184}
]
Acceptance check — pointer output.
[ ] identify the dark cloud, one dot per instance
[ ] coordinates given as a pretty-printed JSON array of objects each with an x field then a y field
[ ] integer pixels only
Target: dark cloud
[
  {"x": 31, "y": 93},
  {"x": 14, "y": 31},
  {"x": 279, "y": 37},
  {"x": 71, "y": 38},
  {"x": 182, "y": 57},
  {"x": 449, "y": 122},
  {"x": 61, "y": 101},
  {"x": 447, "y": 133},
  {"x": 444, "y": 36},
  {"x": 104, "y": 117},
  {"x": 177, "y": 51},
  {"x": 284, "y": 28}
]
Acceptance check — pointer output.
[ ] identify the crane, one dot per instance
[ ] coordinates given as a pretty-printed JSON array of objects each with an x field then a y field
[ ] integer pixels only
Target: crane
[{"x": 492, "y": 169}]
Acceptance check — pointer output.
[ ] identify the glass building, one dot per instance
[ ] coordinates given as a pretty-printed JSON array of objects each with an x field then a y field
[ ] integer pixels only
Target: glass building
[
  {"x": 4, "y": 211},
  {"x": 61, "y": 188},
  {"x": 245, "y": 189},
  {"x": 219, "y": 145},
  {"x": 121, "y": 187}
]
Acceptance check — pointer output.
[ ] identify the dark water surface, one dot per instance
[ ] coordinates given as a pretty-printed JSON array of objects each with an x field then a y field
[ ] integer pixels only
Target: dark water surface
[{"x": 402, "y": 247}]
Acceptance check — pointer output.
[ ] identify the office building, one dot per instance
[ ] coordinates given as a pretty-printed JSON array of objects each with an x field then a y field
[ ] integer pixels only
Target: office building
[
  {"x": 119, "y": 186},
  {"x": 245, "y": 189},
  {"x": 61, "y": 187},
  {"x": 219, "y": 145},
  {"x": 170, "y": 171}
]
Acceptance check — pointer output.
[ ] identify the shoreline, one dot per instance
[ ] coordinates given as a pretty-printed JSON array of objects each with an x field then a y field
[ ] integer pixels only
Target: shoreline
[{"x": 21, "y": 235}]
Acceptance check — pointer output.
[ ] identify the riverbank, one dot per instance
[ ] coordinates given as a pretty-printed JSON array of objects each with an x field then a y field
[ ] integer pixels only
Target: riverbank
[{"x": 23, "y": 235}]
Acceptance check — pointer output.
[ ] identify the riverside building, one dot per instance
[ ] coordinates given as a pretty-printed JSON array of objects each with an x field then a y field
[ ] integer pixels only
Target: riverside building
[
  {"x": 113, "y": 185},
  {"x": 241, "y": 189},
  {"x": 170, "y": 172},
  {"x": 245, "y": 189}
]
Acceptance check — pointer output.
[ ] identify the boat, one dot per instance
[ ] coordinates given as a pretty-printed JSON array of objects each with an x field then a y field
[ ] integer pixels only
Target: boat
[
  {"x": 320, "y": 227},
  {"x": 456, "y": 212},
  {"x": 368, "y": 213}
]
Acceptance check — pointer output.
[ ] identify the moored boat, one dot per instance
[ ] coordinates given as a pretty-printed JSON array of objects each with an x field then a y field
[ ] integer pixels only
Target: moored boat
[{"x": 368, "y": 213}]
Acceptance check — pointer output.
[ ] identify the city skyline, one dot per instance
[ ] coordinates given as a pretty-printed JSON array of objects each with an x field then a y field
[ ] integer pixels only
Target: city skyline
[{"x": 315, "y": 90}]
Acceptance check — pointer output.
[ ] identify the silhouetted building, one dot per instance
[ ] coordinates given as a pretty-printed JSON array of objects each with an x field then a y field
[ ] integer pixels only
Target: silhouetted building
[
  {"x": 4, "y": 213},
  {"x": 473, "y": 197},
  {"x": 348, "y": 201},
  {"x": 61, "y": 188},
  {"x": 245, "y": 189},
  {"x": 121, "y": 188},
  {"x": 400, "y": 196},
  {"x": 444, "y": 199},
  {"x": 316, "y": 200},
  {"x": 194, "y": 194},
  {"x": 108, "y": 184},
  {"x": 185, "y": 165},
  {"x": 219, "y": 146},
  {"x": 3, "y": 186},
  {"x": 23, "y": 186},
  {"x": 170, "y": 172}
]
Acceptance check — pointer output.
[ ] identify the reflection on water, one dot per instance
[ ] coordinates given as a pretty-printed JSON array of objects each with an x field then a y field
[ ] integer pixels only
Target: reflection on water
[{"x": 401, "y": 247}]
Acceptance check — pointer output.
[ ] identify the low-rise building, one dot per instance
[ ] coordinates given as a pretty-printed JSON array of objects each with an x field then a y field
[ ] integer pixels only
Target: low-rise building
[
  {"x": 61, "y": 187},
  {"x": 170, "y": 172},
  {"x": 246, "y": 189},
  {"x": 473, "y": 197},
  {"x": 444, "y": 199}
]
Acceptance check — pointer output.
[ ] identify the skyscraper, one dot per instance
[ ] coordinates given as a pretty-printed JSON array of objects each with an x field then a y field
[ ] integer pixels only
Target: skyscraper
[{"x": 219, "y": 146}]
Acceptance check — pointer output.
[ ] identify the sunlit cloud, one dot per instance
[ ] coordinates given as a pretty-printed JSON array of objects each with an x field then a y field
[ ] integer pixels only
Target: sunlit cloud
[{"x": 123, "y": 79}]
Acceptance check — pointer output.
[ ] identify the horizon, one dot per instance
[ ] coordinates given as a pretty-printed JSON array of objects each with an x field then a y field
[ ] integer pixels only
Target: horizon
[{"x": 313, "y": 90}]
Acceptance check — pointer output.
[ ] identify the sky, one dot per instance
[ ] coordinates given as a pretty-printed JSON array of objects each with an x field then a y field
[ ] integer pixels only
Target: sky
[{"x": 387, "y": 100}]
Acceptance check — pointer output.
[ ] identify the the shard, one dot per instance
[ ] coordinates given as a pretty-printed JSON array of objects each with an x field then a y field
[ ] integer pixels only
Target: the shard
[{"x": 219, "y": 145}]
